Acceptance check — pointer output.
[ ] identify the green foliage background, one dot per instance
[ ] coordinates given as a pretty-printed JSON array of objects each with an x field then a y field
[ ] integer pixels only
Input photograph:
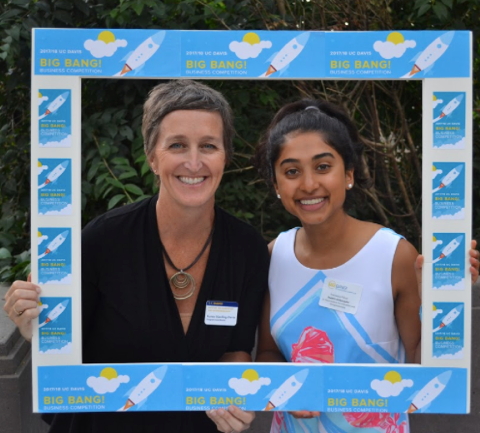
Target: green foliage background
[{"x": 114, "y": 171}]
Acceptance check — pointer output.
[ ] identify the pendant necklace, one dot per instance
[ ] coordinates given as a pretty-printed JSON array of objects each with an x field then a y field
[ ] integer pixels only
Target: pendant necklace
[{"x": 182, "y": 279}]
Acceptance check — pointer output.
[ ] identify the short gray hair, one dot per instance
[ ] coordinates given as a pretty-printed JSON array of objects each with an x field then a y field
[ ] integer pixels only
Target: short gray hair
[{"x": 184, "y": 95}]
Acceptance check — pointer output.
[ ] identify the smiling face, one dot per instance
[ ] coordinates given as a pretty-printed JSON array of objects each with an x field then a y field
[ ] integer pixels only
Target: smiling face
[
  {"x": 189, "y": 157},
  {"x": 311, "y": 179}
]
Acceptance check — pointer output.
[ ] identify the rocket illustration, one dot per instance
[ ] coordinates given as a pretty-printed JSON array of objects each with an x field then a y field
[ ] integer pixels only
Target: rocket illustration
[
  {"x": 430, "y": 392},
  {"x": 55, "y": 105},
  {"x": 143, "y": 390},
  {"x": 450, "y": 317},
  {"x": 449, "y": 108},
  {"x": 135, "y": 60},
  {"x": 449, "y": 178},
  {"x": 52, "y": 246},
  {"x": 55, "y": 173},
  {"x": 450, "y": 248},
  {"x": 425, "y": 60},
  {"x": 287, "y": 390},
  {"x": 59, "y": 309},
  {"x": 287, "y": 54}
]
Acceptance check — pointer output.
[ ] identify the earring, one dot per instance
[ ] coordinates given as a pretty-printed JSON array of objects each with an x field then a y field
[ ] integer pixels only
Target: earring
[
  {"x": 278, "y": 195},
  {"x": 155, "y": 171},
  {"x": 350, "y": 186}
]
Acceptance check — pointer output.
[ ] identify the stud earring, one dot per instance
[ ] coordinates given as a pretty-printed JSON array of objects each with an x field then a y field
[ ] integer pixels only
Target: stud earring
[
  {"x": 278, "y": 195},
  {"x": 350, "y": 186}
]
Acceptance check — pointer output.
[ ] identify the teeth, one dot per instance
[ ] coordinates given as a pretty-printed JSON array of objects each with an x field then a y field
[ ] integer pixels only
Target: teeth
[
  {"x": 312, "y": 201},
  {"x": 191, "y": 180}
]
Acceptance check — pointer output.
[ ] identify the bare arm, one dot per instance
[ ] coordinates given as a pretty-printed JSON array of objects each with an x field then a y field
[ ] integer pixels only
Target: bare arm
[
  {"x": 406, "y": 292},
  {"x": 267, "y": 349}
]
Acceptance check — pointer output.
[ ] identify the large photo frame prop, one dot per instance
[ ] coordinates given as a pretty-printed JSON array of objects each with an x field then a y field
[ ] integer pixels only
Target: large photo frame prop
[{"x": 441, "y": 60}]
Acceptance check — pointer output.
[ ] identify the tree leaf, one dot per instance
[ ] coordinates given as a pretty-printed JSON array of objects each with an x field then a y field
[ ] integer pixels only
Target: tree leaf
[
  {"x": 440, "y": 10},
  {"x": 115, "y": 200},
  {"x": 423, "y": 9},
  {"x": 134, "y": 189},
  {"x": 5, "y": 254},
  {"x": 128, "y": 175},
  {"x": 448, "y": 3},
  {"x": 114, "y": 182},
  {"x": 120, "y": 161}
]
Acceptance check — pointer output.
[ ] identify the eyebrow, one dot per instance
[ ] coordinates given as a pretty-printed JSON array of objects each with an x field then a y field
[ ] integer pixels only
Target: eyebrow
[
  {"x": 183, "y": 137},
  {"x": 319, "y": 156}
]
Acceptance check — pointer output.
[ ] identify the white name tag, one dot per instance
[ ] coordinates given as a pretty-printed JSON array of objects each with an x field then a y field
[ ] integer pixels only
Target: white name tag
[
  {"x": 341, "y": 296},
  {"x": 221, "y": 313}
]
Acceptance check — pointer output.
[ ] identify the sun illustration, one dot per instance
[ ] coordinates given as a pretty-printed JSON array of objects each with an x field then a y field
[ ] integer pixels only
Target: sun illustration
[
  {"x": 109, "y": 373},
  {"x": 39, "y": 95},
  {"x": 434, "y": 98},
  {"x": 434, "y": 239},
  {"x": 250, "y": 375},
  {"x": 393, "y": 377},
  {"x": 434, "y": 307},
  {"x": 434, "y": 168},
  {"x": 39, "y": 234},
  {"x": 106, "y": 37},
  {"x": 395, "y": 38},
  {"x": 251, "y": 38},
  {"x": 39, "y": 164}
]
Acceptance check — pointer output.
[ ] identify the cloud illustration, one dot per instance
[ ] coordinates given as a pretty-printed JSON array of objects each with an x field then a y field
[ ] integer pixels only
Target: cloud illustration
[
  {"x": 101, "y": 49},
  {"x": 388, "y": 50},
  {"x": 436, "y": 102},
  {"x": 42, "y": 238},
  {"x": 244, "y": 50},
  {"x": 65, "y": 349},
  {"x": 435, "y": 173},
  {"x": 244, "y": 386},
  {"x": 385, "y": 388},
  {"x": 437, "y": 243},
  {"x": 42, "y": 99},
  {"x": 102, "y": 385},
  {"x": 42, "y": 168},
  {"x": 435, "y": 313},
  {"x": 66, "y": 142}
]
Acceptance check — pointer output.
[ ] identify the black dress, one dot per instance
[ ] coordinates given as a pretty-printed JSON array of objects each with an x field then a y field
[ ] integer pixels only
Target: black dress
[{"x": 129, "y": 314}]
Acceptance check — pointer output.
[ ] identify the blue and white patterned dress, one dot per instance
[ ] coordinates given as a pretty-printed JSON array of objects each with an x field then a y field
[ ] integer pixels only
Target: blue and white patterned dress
[{"x": 307, "y": 332}]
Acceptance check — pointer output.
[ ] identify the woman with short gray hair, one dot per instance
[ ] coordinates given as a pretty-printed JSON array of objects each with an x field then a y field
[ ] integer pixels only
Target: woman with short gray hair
[{"x": 150, "y": 268}]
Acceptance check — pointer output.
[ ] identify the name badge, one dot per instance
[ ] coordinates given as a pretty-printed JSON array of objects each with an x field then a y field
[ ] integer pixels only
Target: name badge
[
  {"x": 221, "y": 313},
  {"x": 341, "y": 296}
]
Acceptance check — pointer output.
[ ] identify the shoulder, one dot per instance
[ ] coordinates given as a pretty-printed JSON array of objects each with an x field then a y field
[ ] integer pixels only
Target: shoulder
[
  {"x": 271, "y": 245},
  {"x": 405, "y": 254}
]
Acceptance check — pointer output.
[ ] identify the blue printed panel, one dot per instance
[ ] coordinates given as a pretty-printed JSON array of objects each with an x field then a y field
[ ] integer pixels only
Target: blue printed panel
[
  {"x": 107, "y": 53},
  {"x": 399, "y": 54},
  {"x": 54, "y": 186},
  {"x": 252, "y": 54},
  {"x": 449, "y": 111},
  {"x": 55, "y": 326},
  {"x": 55, "y": 118},
  {"x": 448, "y": 330},
  {"x": 448, "y": 261},
  {"x": 261, "y": 387},
  {"x": 260, "y": 54},
  {"x": 54, "y": 255},
  {"x": 448, "y": 190}
]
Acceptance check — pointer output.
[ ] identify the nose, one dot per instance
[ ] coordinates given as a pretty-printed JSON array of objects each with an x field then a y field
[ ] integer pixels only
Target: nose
[
  {"x": 194, "y": 160},
  {"x": 309, "y": 182}
]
